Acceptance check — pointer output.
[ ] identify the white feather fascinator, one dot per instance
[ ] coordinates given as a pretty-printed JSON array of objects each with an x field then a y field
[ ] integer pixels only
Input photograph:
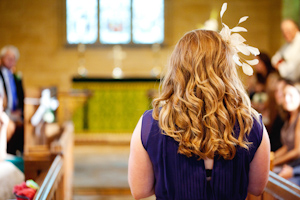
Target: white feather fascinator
[{"x": 236, "y": 41}]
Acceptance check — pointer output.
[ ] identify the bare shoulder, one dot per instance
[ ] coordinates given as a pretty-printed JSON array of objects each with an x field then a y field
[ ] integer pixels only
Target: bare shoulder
[
  {"x": 140, "y": 171},
  {"x": 260, "y": 166}
]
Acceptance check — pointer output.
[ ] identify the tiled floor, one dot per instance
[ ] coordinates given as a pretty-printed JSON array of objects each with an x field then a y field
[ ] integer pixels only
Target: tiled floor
[{"x": 100, "y": 172}]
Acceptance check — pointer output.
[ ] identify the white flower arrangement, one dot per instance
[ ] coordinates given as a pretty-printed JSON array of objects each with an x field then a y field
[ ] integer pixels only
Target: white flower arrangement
[{"x": 236, "y": 41}]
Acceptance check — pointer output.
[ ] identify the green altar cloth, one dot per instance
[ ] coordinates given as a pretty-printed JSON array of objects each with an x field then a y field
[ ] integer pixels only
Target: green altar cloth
[{"x": 115, "y": 105}]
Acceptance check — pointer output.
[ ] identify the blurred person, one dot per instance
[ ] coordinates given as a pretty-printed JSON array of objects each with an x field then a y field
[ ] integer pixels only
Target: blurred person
[
  {"x": 12, "y": 89},
  {"x": 275, "y": 114},
  {"x": 262, "y": 88},
  {"x": 287, "y": 59},
  {"x": 279, "y": 91},
  {"x": 12, "y": 84},
  {"x": 261, "y": 72},
  {"x": 11, "y": 167},
  {"x": 202, "y": 140},
  {"x": 290, "y": 132},
  {"x": 7, "y": 128},
  {"x": 257, "y": 86},
  {"x": 291, "y": 172},
  {"x": 264, "y": 66}
]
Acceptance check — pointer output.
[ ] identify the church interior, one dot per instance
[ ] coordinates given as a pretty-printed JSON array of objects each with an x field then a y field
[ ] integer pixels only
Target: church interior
[{"x": 94, "y": 93}]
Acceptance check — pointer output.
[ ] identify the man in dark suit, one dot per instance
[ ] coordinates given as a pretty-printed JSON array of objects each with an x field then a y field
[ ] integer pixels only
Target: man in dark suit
[{"x": 13, "y": 92}]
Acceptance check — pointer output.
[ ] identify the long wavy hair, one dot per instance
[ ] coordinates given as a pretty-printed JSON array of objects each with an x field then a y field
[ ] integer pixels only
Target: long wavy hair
[{"x": 202, "y": 98}]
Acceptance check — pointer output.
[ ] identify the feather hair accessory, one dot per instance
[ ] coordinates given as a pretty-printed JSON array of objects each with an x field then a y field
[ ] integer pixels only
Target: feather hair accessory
[{"x": 236, "y": 41}]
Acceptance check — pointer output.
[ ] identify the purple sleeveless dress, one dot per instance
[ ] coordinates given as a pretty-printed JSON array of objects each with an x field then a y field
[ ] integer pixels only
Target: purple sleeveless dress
[{"x": 178, "y": 177}]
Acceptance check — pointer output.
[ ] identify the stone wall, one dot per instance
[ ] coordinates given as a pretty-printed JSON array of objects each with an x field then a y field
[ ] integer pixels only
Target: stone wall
[{"x": 37, "y": 28}]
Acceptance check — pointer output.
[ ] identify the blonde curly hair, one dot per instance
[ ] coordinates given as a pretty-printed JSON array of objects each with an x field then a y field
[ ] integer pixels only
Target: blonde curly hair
[{"x": 202, "y": 97}]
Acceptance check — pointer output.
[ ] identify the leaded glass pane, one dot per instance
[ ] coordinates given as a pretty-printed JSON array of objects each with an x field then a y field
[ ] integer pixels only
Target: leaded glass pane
[
  {"x": 115, "y": 20},
  {"x": 148, "y": 21},
  {"x": 82, "y": 24}
]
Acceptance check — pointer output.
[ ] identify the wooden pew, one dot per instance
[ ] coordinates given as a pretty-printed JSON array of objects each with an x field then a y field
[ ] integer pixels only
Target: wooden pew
[
  {"x": 52, "y": 184},
  {"x": 278, "y": 188},
  {"x": 42, "y": 146},
  {"x": 39, "y": 159}
]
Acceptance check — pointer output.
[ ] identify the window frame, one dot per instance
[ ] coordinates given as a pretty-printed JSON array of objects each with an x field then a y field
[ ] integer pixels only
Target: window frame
[{"x": 131, "y": 44}]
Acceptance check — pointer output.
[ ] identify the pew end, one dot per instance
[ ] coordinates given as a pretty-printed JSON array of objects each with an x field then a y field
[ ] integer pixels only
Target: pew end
[{"x": 44, "y": 144}]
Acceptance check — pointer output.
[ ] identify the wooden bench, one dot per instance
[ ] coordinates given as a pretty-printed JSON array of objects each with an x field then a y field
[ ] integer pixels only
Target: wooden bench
[
  {"x": 42, "y": 145},
  {"x": 278, "y": 188},
  {"x": 39, "y": 158},
  {"x": 51, "y": 183}
]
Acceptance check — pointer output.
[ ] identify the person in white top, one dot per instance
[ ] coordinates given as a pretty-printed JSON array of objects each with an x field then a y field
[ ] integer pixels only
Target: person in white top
[
  {"x": 287, "y": 58},
  {"x": 4, "y": 122}
]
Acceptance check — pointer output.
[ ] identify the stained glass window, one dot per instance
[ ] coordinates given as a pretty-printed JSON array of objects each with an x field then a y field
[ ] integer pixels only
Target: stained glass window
[
  {"x": 148, "y": 21},
  {"x": 120, "y": 21},
  {"x": 115, "y": 21},
  {"x": 82, "y": 21}
]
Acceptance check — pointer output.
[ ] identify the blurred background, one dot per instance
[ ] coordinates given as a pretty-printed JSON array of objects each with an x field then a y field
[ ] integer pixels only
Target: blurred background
[{"x": 103, "y": 60}]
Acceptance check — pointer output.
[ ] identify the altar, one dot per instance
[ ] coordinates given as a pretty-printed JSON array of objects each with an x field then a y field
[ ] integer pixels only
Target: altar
[{"x": 114, "y": 105}]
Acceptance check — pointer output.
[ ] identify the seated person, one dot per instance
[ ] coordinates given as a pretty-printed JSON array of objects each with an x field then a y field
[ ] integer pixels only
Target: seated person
[
  {"x": 257, "y": 82},
  {"x": 275, "y": 117},
  {"x": 290, "y": 132},
  {"x": 264, "y": 90},
  {"x": 291, "y": 172},
  {"x": 10, "y": 175},
  {"x": 257, "y": 87}
]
